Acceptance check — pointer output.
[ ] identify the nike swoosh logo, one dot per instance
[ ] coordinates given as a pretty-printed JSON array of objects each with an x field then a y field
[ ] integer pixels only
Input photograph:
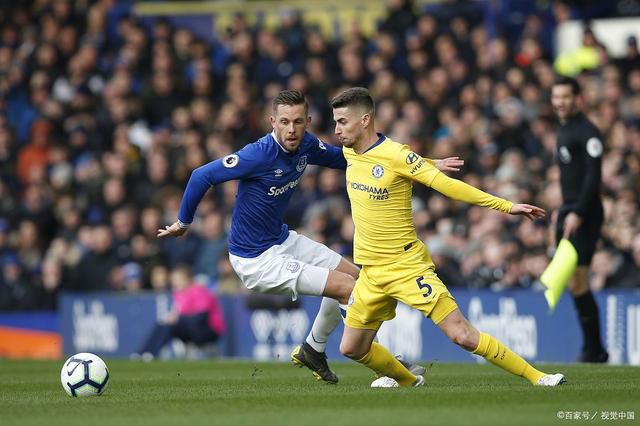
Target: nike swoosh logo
[
  {"x": 79, "y": 362},
  {"x": 497, "y": 353},
  {"x": 73, "y": 369},
  {"x": 349, "y": 164}
]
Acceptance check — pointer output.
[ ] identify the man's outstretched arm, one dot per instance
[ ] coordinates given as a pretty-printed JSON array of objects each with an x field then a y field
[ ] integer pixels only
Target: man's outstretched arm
[
  {"x": 461, "y": 191},
  {"x": 424, "y": 170},
  {"x": 234, "y": 166},
  {"x": 200, "y": 181}
]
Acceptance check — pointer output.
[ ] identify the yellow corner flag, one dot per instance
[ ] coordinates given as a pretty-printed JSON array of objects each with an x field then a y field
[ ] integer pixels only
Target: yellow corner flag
[{"x": 559, "y": 271}]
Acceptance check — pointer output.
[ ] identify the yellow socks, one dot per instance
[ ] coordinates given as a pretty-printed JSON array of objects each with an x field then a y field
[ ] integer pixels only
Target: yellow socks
[
  {"x": 559, "y": 272},
  {"x": 380, "y": 360},
  {"x": 500, "y": 355}
]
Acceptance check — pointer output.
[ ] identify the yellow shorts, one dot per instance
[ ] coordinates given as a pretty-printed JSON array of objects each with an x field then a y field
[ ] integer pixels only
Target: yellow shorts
[{"x": 411, "y": 280}]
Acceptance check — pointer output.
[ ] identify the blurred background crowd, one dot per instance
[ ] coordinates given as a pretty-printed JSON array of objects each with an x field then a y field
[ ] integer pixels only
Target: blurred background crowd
[{"x": 103, "y": 116}]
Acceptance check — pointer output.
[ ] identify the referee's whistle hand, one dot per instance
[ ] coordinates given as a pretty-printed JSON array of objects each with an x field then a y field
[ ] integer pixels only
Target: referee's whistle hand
[
  {"x": 173, "y": 230},
  {"x": 528, "y": 210}
]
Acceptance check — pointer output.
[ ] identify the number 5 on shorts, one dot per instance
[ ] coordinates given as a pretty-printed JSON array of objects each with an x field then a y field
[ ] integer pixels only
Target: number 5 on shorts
[{"x": 422, "y": 286}]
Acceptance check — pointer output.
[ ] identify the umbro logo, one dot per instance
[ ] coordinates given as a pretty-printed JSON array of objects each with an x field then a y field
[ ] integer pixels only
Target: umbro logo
[{"x": 278, "y": 172}]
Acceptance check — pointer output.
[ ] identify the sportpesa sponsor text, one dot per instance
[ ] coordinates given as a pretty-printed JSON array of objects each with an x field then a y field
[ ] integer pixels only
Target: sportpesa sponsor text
[{"x": 275, "y": 191}]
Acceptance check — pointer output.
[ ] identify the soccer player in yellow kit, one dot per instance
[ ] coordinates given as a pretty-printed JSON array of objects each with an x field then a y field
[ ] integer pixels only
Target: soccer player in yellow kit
[{"x": 395, "y": 263}]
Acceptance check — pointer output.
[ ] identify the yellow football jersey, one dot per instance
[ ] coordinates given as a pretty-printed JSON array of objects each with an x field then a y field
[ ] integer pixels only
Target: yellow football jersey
[{"x": 379, "y": 188}]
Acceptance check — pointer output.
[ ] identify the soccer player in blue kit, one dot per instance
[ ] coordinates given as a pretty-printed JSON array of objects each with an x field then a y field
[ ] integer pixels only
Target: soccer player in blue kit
[{"x": 265, "y": 254}]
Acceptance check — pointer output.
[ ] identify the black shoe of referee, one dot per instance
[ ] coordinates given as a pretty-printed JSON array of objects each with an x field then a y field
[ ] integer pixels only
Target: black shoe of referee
[
  {"x": 594, "y": 357},
  {"x": 305, "y": 356}
]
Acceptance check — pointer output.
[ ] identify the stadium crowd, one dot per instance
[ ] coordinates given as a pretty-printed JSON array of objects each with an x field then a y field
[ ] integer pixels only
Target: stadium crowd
[{"x": 104, "y": 115}]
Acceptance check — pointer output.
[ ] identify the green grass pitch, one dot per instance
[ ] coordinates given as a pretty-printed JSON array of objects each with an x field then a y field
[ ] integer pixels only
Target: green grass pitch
[{"x": 250, "y": 393}]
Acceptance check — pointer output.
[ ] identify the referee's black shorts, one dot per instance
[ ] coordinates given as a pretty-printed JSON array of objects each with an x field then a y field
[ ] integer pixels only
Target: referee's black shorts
[{"x": 586, "y": 237}]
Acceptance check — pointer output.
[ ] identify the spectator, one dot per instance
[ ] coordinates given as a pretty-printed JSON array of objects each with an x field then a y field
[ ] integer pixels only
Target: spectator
[
  {"x": 35, "y": 156},
  {"x": 95, "y": 270},
  {"x": 401, "y": 16},
  {"x": 50, "y": 282},
  {"x": 196, "y": 317},
  {"x": 213, "y": 247},
  {"x": 16, "y": 291}
]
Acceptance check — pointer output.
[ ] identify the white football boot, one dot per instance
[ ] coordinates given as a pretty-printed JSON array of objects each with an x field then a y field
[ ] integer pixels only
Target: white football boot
[{"x": 551, "y": 380}]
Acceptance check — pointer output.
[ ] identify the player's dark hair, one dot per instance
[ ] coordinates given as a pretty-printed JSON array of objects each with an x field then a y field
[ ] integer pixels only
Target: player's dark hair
[
  {"x": 354, "y": 97},
  {"x": 568, "y": 81},
  {"x": 291, "y": 98}
]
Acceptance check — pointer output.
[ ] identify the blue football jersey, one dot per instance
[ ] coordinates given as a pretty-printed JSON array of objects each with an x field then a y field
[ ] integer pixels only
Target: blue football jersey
[{"x": 268, "y": 175}]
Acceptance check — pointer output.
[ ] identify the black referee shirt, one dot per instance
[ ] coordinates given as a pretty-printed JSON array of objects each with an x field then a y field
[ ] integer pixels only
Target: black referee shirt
[{"x": 579, "y": 151}]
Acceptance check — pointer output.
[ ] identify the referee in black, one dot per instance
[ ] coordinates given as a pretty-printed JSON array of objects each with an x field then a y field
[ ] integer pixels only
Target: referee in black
[{"x": 579, "y": 151}]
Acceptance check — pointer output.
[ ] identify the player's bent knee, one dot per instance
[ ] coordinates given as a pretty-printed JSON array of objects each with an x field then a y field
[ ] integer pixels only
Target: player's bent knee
[
  {"x": 339, "y": 286},
  {"x": 347, "y": 283},
  {"x": 465, "y": 337},
  {"x": 468, "y": 342},
  {"x": 351, "y": 350},
  {"x": 460, "y": 331},
  {"x": 347, "y": 287},
  {"x": 348, "y": 268}
]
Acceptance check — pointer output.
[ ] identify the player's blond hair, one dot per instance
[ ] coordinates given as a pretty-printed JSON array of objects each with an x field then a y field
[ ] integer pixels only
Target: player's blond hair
[{"x": 290, "y": 98}]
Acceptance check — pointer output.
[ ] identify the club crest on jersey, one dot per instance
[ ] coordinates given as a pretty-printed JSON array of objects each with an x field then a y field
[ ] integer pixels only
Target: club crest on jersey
[
  {"x": 230, "y": 161},
  {"x": 377, "y": 171},
  {"x": 321, "y": 145},
  {"x": 278, "y": 172},
  {"x": 412, "y": 158},
  {"x": 302, "y": 163},
  {"x": 293, "y": 267}
]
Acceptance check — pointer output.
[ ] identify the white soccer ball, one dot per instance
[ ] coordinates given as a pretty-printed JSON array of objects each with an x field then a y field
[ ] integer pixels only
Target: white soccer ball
[
  {"x": 384, "y": 382},
  {"x": 84, "y": 374}
]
